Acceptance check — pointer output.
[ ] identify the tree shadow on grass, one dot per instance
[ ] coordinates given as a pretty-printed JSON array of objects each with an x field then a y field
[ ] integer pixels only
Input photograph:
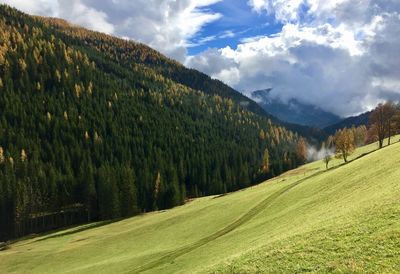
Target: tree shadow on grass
[
  {"x": 70, "y": 231},
  {"x": 55, "y": 233}
]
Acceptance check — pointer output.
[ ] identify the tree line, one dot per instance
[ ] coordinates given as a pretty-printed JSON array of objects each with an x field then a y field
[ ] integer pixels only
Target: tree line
[{"x": 384, "y": 122}]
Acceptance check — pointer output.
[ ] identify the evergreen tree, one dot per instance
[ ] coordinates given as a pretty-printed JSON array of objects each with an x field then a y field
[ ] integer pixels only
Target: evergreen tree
[
  {"x": 265, "y": 163},
  {"x": 128, "y": 192}
]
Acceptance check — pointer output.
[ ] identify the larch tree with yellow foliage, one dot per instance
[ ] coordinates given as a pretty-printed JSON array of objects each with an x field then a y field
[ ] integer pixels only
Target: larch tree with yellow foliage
[{"x": 344, "y": 142}]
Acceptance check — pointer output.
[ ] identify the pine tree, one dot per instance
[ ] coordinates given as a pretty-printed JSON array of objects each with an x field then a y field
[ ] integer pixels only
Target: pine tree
[
  {"x": 2, "y": 158},
  {"x": 265, "y": 162},
  {"x": 87, "y": 189},
  {"x": 128, "y": 192}
]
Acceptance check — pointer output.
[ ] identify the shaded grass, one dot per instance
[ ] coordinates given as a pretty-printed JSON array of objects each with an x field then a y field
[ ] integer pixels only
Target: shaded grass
[{"x": 74, "y": 230}]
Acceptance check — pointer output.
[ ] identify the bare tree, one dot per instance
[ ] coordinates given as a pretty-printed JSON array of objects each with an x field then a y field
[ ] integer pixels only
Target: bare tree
[
  {"x": 397, "y": 119},
  {"x": 372, "y": 136},
  {"x": 390, "y": 122},
  {"x": 381, "y": 119}
]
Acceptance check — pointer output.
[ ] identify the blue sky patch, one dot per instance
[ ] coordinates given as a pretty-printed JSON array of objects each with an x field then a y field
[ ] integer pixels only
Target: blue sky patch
[{"x": 238, "y": 21}]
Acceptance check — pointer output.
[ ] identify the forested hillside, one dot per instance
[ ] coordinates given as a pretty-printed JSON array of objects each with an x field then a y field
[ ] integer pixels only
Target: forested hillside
[
  {"x": 128, "y": 53},
  {"x": 93, "y": 128},
  {"x": 359, "y": 120}
]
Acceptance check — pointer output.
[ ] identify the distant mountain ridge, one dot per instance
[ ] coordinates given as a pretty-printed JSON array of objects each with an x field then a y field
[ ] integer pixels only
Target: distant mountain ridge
[
  {"x": 348, "y": 122},
  {"x": 294, "y": 111}
]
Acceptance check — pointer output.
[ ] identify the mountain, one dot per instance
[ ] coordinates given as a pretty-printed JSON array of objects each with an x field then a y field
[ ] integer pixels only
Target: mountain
[
  {"x": 356, "y": 121},
  {"x": 341, "y": 220},
  {"x": 94, "y": 127},
  {"x": 293, "y": 111}
]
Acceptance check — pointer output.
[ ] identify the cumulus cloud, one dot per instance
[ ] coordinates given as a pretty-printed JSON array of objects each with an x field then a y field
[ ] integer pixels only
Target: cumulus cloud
[
  {"x": 285, "y": 11},
  {"x": 166, "y": 25},
  {"x": 39, "y": 7},
  {"x": 74, "y": 11},
  {"x": 77, "y": 12},
  {"x": 342, "y": 63}
]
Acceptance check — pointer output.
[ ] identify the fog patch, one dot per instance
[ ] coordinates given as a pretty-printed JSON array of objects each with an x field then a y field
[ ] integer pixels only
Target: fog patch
[{"x": 314, "y": 154}]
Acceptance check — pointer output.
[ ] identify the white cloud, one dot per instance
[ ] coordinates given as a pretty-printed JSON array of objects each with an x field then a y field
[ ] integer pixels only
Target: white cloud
[
  {"x": 284, "y": 10},
  {"x": 166, "y": 25},
  {"x": 74, "y": 11},
  {"x": 343, "y": 64},
  {"x": 227, "y": 34},
  {"x": 78, "y": 13},
  {"x": 39, "y": 7}
]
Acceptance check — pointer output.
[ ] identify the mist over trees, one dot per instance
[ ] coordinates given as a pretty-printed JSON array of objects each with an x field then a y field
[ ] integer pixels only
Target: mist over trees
[
  {"x": 343, "y": 143},
  {"x": 327, "y": 159}
]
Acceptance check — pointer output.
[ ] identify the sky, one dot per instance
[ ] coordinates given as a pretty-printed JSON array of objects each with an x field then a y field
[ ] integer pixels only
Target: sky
[{"x": 340, "y": 55}]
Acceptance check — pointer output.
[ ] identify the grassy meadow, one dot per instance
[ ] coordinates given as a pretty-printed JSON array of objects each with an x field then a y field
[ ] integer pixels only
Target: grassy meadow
[{"x": 342, "y": 220}]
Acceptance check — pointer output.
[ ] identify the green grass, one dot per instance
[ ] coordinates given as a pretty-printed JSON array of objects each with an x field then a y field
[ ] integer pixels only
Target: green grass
[{"x": 344, "y": 220}]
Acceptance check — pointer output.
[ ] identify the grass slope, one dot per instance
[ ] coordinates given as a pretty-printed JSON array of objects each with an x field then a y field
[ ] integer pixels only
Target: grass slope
[{"x": 342, "y": 220}]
